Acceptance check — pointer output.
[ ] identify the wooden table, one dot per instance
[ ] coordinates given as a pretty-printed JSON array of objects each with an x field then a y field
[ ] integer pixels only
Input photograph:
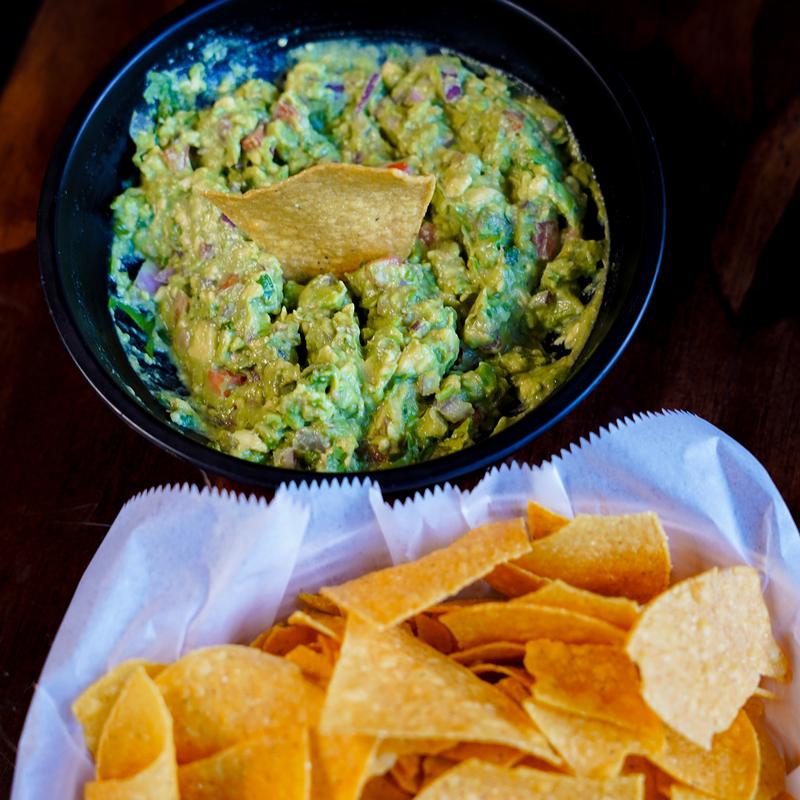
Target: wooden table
[{"x": 721, "y": 338}]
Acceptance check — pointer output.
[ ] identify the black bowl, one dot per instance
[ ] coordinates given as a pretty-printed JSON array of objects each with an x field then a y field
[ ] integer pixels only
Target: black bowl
[{"x": 93, "y": 156}]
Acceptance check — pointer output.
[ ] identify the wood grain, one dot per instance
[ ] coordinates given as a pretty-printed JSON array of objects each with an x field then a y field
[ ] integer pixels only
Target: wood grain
[{"x": 70, "y": 463}]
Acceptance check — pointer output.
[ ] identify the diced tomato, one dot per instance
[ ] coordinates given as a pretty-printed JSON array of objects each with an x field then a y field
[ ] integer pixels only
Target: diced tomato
[
  {"x": 222, "y": 381},
  {"x": 285, "y": 112},
  {"x": 253, "y": 139},
  {"x": 401, "y": 165},
  {"x": 515, "y": 120},
  {"x": 427, "y": 233},
  {"x": 228, "y": 281}
]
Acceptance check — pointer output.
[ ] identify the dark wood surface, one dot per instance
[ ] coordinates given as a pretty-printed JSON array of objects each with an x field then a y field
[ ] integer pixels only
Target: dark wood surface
[{"x": 721, "y": 338}]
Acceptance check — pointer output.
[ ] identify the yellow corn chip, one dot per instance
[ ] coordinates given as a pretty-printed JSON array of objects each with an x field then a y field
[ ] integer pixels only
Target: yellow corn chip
[
  {"x": 340, "y": 765},
  {"x": 382, "y": 788},
  {"x": 389, "y": 750},
  {"x": 219, "y": 696},
  {"x": 701, "y": 648},
  {"x": 432, "y": 632},
  {"x": 94, "y": 705},
  {"x": 159, "y": 780},
  {"x": 619, "y": 611},
  {"x": 326, "y": 624},
  {"x": 491, "y": 651},
  {"x": 389, "y": 684},
  {"x": 542, "y": 522},
  {"x": 656, "y": 783},
  {"x": 591, "y": 747},
  {"x": 316, "y": 667},
  {"x": 433, "y": 767},
  {"x": 620, "y": 556},
  {"x": 319, "y": 603},
  {"x": 137, "y": 731},
  {"x": 680, "y": 792},
  {"x": 520, "y": 675},
  {"x": 478, "y": 780},
  {"x": 437, "y": 609},
  {"x": 281, "y": 638},
  {"x": 596, "y": 681},
  {"x": 730, "y": 769},
  {"x": 270, "y": 765},
  {"x": 772, "y": 774},
  {"x": 332, "y": 217},
  {"x": 394, "y": 594},
  {"x": 512, "y": 580},
  {"x": 511, "y": 687},
  {"x": 493, "y": 753},
  {"x": 521, "y": 622},
  {"x": 407, "y": 773}
]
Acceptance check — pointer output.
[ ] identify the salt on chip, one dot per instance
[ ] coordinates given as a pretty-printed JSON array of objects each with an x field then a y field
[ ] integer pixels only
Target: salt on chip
[
  {"x": 332, "y": 217},
  {"x": 391, "y": 595},
  {"x": 478, "y": 780},
  {"x": 613, "y": 555},
  {"x": 137, "y": 731},
  {"x": 730, "y": 769},
  {"x": 619, "y": 611},
  {"x": 542, "y": 521},
  {"x": 592, "y": 748},
  {"x": 388, "y": 684},
  {"x": 512, "y": 580},
  {"x": 219, "y": 696},
  {"x": 521, "y": 622},
  {"x": 272, "y": 765},
  {"x": 95, "y": 703},
  {"x": 596, "y": 681},
  {"x": 701, "y": 648}
]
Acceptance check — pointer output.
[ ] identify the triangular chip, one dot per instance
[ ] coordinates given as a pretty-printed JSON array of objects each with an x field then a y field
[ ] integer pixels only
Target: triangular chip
[
  {"x": 596, "y": 681},
  {"x": 389, "y": 684},
  {"x": 772, "y": 773},
  {"x": 219, "y": 696},
  {"x": 521, "y": 622},
  {"x": 391, "y": 595},
  {"x": 159, "y": 780},
  {"x": 136, "y": 732},
  {"x": 326, "y": 624},
  {"x": 94, "y": 705},
  {"x": 620, "y": 556},
  {"x": 271, "y": 765},
  {"x": 730, "y": 769},
  {"x": 479, "y": 780},
  {"x": 701, "y": 648},
  {"x": 281, "y": 639},
  {"x": 542, "y": 521},
  {"x": 591, "y": 747},
  {"x": 619, "y": 611},
  {"x": 340, "y": 765},
  {"x": 512, "y": 580},
  {"x": 332, "y": 217},
  {"x": 491, "y": 651}
]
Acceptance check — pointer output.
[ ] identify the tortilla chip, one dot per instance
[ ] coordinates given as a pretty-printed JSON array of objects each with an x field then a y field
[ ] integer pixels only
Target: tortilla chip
[
  {"x": 437, "y": 609},
  {"x": 159, "y": 780},
  {"x": 620, "y": 556},
  {"x": 316, "y": 667},
  {"x": 389, "y": 684},
  {"x": 391, "y": 595},
  {"x": 319, "y": 603},
  {"x": 511, "y": 687},
  {"x": 433, "y": 767},
  {"x": 521, "y": 622},
  {"x": 406, "y": 772},
  {"x": 332, "y": 217},
  {"x": 619, "y": 611},
  {"x": 542, "y": 522},
  {"x": 94, "y": 705},
  {"x": 490, "y": 651},
  {"x": 701, "y": 648},
  {"x": 270, "y": 765},
  {"x": 493, "y": 753},
  {"x": 382, "y": 788},
  {"x": 596, "y": 681},
  {"x": 656, "y": 783},
  {"x": 326, "y": 624},
  {"x": 137, "y": 731},
  {"x": 281, "y": 639},
  {"x": 730, "y": 769},
  {"x": 772, "y": 773},
  {"x": 219, "y": 696},
  {"x": 520, "y": 675},
  {"x": 512, "y": 580},
  {"x": 591, "y": 747},
  {"x": 679, "y": 792},
  {"x": 432, "y": 632},
  {"x": 340, "y": 765},
  {"x": 478, "y": 779}
]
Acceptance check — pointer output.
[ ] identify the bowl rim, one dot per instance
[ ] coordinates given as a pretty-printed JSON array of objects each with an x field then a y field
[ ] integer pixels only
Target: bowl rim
[{"x": 471, "y": 459}]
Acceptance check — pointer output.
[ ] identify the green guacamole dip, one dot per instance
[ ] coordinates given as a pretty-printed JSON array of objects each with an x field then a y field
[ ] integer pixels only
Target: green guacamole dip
[{"x": 400, "y": 361}]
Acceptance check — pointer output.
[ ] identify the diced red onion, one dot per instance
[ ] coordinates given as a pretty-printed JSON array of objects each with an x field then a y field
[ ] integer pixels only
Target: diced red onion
[
  {"x": 427, "y": 233},
  {"x": 150, "y": 279},
  {"x": 227, "y": 220},
  {"x": 337, "y": 88},
  {"x": 453, "y": 92},
  {"x": 546, "y": 238},
  {"x": 367, "y": 93}
]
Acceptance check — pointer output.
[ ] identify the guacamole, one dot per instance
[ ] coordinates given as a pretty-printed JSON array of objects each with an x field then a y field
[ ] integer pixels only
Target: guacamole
[{"x": 400, "y": 360}]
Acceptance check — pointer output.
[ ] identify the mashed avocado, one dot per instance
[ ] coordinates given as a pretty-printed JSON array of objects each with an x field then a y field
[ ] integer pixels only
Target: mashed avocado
[{"x": 401, "y": 360}]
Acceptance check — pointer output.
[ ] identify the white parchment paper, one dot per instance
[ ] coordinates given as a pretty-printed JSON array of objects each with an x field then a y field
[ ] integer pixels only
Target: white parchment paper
[{"x": 182, "y": 568}]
